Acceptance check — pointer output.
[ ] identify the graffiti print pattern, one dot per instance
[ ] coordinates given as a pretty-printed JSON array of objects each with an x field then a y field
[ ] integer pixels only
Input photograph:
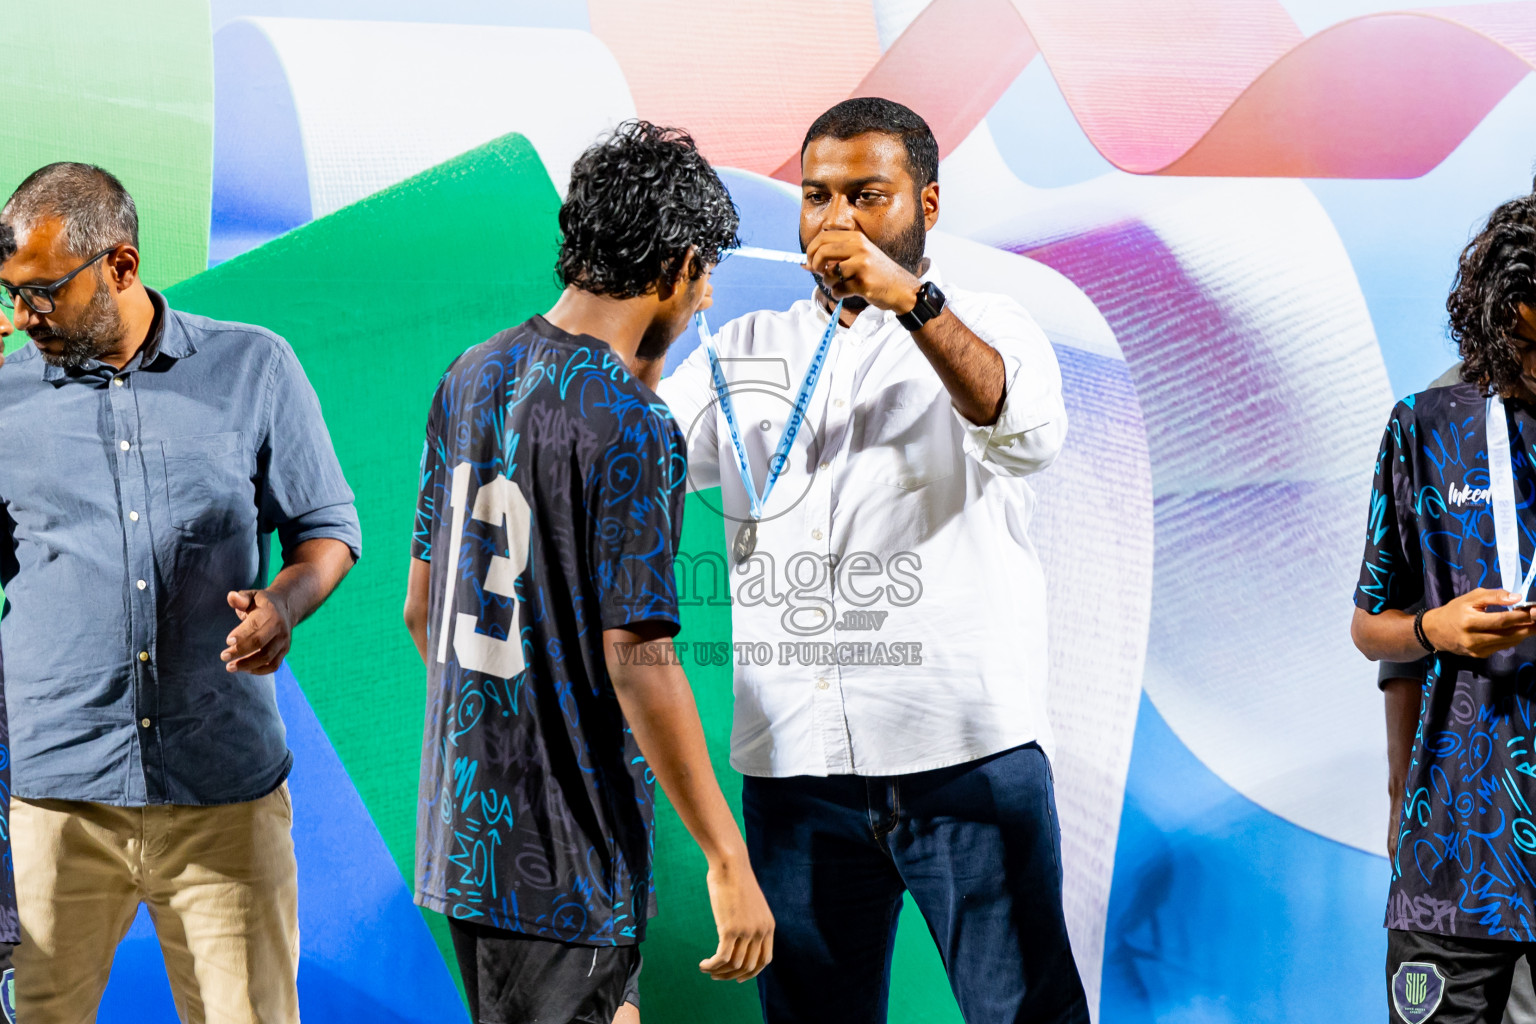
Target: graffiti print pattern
[
  {"x": 550, "y": 509},
  {"x": 1466, "y": 834}
]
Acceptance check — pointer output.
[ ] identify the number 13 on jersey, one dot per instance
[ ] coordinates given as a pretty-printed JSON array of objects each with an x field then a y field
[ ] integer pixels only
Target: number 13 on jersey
[{"x": 499, "y": 503}]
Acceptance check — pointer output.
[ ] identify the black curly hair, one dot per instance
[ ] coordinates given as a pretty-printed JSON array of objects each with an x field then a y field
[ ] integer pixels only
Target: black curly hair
[
  {"x": 639, "y": 199},
  {"x": 7, "y": 242},
  {"x": 1497, "y": 273}
]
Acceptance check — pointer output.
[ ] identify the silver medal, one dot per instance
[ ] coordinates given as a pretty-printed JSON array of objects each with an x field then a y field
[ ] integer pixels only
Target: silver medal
[{"x": 746, "y": 542}]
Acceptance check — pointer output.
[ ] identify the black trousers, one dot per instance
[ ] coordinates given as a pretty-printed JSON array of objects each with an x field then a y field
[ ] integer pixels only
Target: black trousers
[
  {"x": 517, "y": 979},
  {"x": 1444, "y": 979}
]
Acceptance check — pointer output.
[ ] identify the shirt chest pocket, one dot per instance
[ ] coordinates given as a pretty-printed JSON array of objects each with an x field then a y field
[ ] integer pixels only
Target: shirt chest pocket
[
  {"x": 208, "y": 484},
  {"x": 905, "y": 436}
]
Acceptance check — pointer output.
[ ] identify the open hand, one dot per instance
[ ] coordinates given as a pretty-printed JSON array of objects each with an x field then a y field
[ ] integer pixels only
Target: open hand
[
  {"x": 260, "y": 642},
  {"x": 744, "y": 922},
  {"x": 1467, "y": 627}
]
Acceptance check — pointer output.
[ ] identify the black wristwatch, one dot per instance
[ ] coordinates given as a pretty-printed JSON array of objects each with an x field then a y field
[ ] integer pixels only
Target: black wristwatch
[{"x": 930, "y": 303}]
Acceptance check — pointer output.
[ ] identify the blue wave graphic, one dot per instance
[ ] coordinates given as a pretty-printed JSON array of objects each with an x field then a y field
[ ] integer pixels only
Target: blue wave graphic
[{"x": 1223, "y": 913}]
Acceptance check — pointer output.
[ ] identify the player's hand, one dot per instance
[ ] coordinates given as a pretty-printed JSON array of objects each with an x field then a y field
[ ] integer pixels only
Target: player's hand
[
  {"x": 743, "y": 920},
  {"x": 848, "y": 264},
  {"x": 1467, "y": 627},
  {"x": 260, "y": 642}
]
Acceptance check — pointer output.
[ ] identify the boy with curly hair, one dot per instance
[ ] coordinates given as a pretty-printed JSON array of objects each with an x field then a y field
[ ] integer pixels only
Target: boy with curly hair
[
  {"x": 542, "y": 599},
  {"x": 1447, "y": 575}
]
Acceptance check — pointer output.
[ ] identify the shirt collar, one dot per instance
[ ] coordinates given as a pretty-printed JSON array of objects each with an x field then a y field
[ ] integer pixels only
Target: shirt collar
[{"x": 168, "y": 339}]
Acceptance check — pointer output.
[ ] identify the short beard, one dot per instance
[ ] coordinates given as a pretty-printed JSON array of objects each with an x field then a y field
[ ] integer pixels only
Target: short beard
[{"x": 99, "y": 328}]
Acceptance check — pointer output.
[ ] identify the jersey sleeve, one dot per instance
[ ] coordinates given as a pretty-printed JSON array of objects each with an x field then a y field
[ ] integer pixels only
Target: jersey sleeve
[
  {"x": 430, "y": 485},
  {"x": 1392, "y": 571},
  {"x": 635, "y": 505}
]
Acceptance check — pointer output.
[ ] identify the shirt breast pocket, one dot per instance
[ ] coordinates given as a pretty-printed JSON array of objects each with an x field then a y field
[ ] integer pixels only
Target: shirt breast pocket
[
  {"x": 208, "y": 485},
  {"x": 904, "y": 436}
]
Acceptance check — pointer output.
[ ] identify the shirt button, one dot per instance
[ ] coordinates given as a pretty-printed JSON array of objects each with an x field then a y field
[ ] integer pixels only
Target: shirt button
[
  {"x": 143, "y": 655},
  {"x": 118, "y": 381},
  {"x": 822, "y": 684},
  {"x": 124, "y": 445},
  {"x": 839, "y": 403},
  {"x": 134, "y": 516},
  {"x": 824, "y": 466},
  {"x": 816, "y": 535},
  {"x": 142, "y": 584},
  {"x": 144, "y": 722}
]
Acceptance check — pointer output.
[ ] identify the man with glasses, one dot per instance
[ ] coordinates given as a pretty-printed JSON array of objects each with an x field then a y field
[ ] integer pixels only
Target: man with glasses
[{"x": 153, "y": 454}]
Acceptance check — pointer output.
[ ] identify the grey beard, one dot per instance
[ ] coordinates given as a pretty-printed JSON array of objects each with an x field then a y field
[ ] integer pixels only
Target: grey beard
[{"x": 100, "y": 327}]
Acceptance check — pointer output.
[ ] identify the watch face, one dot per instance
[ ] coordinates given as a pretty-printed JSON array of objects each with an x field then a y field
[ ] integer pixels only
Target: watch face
[{"x": 931, "y": 299}]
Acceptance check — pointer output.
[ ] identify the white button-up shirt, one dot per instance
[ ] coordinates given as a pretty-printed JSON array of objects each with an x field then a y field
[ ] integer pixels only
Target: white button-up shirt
[{"x": 892, "y": 617}]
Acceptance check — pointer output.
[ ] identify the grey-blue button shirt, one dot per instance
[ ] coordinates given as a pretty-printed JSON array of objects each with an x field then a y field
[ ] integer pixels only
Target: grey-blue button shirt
[{"x": 131, "y": 503}]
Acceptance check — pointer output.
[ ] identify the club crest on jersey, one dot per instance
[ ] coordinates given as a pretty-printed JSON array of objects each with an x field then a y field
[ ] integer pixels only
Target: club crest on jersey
[{"x": 1416, "y": 991}]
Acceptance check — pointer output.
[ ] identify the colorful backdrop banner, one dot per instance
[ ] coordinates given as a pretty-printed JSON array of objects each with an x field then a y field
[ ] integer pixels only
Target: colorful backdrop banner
[{"x": 1236, "y": 220}]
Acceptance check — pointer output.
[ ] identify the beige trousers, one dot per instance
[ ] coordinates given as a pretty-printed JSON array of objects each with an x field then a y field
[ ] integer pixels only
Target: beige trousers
[{"x": 221, "y": 885}]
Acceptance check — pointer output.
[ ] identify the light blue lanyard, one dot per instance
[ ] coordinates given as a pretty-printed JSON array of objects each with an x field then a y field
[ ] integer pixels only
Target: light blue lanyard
[
  {"x": 753, "y": 252},
  {"x": 1501, "y": 492},
  {"x": 755, "y": 503}
]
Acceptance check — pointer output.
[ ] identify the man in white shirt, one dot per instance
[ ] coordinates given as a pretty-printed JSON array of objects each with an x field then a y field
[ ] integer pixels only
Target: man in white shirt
[{"x": 888, "y": 606}]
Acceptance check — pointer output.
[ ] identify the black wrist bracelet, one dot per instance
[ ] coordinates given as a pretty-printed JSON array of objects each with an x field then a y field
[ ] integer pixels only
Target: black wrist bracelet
[{"x": 1418, "y": 632}]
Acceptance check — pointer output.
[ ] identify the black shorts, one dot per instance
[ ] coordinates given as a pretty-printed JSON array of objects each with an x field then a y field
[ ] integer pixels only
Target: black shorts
[
  {"x": 517, "y": 979},
  {"x": 1445, "y": 979}
]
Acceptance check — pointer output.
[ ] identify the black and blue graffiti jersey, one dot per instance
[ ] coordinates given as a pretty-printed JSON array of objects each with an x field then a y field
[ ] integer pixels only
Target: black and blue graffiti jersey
[
  {"x": 550, "y": 507},
  {"x": 1466, "y": 852}
]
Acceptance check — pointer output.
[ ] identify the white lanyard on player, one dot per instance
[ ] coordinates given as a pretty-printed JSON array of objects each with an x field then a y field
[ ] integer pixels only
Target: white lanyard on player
[{"x": 1501, "y": 491}]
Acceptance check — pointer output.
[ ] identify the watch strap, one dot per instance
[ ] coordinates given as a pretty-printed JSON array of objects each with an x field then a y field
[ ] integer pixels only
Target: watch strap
[{"x": 930, "y": 303}]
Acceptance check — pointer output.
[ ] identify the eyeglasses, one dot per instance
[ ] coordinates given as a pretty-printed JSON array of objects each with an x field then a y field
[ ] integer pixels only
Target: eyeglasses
[{"x": 40, "y": 296}]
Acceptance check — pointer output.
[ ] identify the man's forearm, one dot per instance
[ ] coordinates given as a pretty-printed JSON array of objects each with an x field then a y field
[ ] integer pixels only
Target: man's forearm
[
  {"x": 1403, "y": 697},
  {"x": 970, "y": 369},
  {"x": 1402, "y": 701},
  {"x": 1387, "y": 636},
  {"x": 309, "y": 576},
  {"x": 659, "y": 707},
  {"x": 417, "y": 604}
]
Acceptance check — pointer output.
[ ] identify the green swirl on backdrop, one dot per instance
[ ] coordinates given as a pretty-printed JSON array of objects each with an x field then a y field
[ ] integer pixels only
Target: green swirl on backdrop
[{"x": 130, "y": 87}]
